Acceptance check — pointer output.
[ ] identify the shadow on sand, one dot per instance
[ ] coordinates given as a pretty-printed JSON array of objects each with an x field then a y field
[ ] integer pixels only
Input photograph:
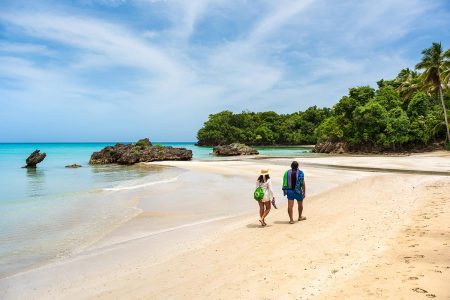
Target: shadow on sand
[
  {"x": 282, "y": 222},
  {"x": 254, "y": 225}
]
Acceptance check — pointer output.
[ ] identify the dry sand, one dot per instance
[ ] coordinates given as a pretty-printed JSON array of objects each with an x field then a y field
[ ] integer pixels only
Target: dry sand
[{"x": 368, "y": 235}]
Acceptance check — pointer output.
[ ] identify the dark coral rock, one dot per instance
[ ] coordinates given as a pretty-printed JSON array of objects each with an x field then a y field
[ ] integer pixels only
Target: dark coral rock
[
  {"x": 142, "y": 151},
  {"x": 331, "y": 147},
  {"x": 73, "y": 166},
  {"x": 234, "y": 150},
  {"x": 34, "y": 158}
]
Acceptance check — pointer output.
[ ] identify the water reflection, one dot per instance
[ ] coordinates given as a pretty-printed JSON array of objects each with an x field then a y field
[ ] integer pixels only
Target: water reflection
[
  {"x": 35, "y": 182},
  {"x": 116, "y": 173}
]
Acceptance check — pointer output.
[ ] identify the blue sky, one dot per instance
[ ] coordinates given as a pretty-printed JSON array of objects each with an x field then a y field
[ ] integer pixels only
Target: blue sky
[{"x": 118, "y": 70}]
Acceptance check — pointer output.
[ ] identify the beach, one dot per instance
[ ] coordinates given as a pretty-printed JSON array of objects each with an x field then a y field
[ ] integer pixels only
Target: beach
[{"x": 377, "y": 227}]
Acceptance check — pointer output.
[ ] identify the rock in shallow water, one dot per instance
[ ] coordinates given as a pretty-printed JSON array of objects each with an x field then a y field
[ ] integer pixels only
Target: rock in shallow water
[
  {"x": 34, "y": 158},
  {"x": 331, "y": 147},
  {"x": 142, "y": 151},
  {"x": 234, "y": 150},
  {"x": 73, "y": 166}
]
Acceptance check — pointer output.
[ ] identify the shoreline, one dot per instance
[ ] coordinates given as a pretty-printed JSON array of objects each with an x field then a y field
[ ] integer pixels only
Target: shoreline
[{"x": 200, "y": 237}]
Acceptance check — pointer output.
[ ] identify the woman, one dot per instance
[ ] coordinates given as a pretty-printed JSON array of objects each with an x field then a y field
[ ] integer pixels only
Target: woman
[{"x": 265, "y": 182}]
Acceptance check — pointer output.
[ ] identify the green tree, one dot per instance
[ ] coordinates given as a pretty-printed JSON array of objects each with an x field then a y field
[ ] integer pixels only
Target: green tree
[
  {"x": 419, "y": 105},
  {"x": 409, "y": 84},
  {"x": 388, "y": 97},
  {"x": 397, "y": 128},
  {"x": 330, "y": 129},
  {"x": 265, "y": 136},
  {"x": 362, "y": 94},
  {"x": 370, "y": 122},
  {"x": 435, "y": 63}
]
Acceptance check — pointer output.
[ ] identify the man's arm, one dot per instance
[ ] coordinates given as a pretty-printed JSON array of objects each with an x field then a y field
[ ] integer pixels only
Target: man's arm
[{"x": 304, "y": 189}]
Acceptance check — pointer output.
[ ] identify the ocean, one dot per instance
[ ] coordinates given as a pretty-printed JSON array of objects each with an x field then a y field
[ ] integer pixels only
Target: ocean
[{"x": 52, "y": 211}]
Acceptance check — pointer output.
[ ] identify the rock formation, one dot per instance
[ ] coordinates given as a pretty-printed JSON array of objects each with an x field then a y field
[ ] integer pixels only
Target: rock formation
[
  {"x": 34, "y": 158},
  {"x": 234, "y": 149},
  {"x": 142, "y": 151},
  {"x": 331, "y": 147},
  {"x": 73, "y": 166}
]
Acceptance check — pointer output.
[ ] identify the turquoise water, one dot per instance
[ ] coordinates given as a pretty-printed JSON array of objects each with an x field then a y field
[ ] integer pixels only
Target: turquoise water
[
  {"x": 51, "y": 177},
  {"x": 52, "y": 211}
]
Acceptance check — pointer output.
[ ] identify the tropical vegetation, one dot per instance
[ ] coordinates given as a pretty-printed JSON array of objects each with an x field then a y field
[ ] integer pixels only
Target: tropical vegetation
[{"x": 406, "y": 112}]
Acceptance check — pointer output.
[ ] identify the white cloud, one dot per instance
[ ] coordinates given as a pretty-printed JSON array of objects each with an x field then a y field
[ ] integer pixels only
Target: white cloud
[
  {"x": 282, "y": 14},
  {"x": 289, "y": 55}
]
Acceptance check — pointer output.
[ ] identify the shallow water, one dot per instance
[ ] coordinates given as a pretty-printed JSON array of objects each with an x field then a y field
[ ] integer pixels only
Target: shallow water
[{"x": 53, "y": 211}]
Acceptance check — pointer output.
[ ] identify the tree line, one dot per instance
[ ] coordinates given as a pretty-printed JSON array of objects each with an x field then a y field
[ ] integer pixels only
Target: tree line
[{"x": 407, "y": 111}]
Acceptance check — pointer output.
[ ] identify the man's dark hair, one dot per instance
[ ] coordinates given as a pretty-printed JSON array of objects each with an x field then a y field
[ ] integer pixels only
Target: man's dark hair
[{"x": 294, "y": 165}]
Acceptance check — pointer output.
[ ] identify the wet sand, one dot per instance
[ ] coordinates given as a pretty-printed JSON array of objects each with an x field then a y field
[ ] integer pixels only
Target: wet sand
[{"x": 368, "y": 235}]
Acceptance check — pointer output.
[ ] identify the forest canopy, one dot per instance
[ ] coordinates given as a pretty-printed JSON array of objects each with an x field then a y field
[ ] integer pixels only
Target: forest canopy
[{"x": 404, "y": 112}]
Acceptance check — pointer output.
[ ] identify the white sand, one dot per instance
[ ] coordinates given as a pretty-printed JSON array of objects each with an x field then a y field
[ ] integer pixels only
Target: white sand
[{"x": 368, "y": 235}]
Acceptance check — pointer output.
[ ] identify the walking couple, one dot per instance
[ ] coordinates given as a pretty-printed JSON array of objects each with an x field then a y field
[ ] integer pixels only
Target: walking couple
[{"x": 293, "y": 187}]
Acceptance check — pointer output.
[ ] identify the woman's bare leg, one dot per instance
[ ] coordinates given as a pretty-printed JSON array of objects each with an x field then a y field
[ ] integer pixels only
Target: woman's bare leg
[
  {"x": 266, "y": 211},
  {"x": 261, "y": 208},
  {"x": 261, "y": 212}
]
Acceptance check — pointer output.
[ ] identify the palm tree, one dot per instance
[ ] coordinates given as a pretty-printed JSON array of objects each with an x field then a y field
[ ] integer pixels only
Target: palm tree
[
  {"x": 435, "y": 63},
  {"x": 409, "y": 83},
  {"x": 446, "y": 70}
]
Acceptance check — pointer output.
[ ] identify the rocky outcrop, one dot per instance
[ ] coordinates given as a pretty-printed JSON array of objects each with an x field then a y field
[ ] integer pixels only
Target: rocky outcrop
[
  {"x": 142, "y": 151},
  {"x": 234, "y": 149},
  {"x": 144, "y": 143},
  {"x": 34, "y": 158},
  {"x": 73, "y": 166},
  {"x": 331, "y": 147}
]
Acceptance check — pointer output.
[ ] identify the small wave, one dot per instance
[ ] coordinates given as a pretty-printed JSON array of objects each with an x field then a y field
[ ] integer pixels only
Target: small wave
[{"x": 132, "y": 187}]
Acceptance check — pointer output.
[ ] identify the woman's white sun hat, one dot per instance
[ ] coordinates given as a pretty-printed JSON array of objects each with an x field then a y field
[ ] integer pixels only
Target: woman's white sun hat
[{"x": 264, "y": 172}]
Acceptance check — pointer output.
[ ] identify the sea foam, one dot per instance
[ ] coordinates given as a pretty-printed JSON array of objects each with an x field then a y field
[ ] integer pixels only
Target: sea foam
[{"x": 137, "y": 186}]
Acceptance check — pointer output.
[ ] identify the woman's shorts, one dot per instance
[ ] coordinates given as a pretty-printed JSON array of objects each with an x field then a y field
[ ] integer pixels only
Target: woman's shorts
[{"x": 291, "y": 195}]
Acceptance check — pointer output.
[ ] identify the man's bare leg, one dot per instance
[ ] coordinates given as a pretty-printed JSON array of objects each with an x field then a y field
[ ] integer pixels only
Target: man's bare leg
[
  {"x": 290, "y": 211},
  {"x": 300, "y": 211}
]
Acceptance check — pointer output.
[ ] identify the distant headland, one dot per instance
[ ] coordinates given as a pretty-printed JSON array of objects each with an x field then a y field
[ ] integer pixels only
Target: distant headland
[{"x": 407, "y": 113}]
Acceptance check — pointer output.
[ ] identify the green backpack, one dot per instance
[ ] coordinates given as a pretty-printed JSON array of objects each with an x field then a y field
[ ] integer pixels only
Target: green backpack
[{"x": 258, "y": 195}]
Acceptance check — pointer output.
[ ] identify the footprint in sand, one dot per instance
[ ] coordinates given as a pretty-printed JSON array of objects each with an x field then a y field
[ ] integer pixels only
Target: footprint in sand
[{"x": 419, "y": 290}]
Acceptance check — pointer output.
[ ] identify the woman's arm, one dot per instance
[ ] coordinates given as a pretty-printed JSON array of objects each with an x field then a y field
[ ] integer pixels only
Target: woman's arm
[{"x": 271, "y": 194}]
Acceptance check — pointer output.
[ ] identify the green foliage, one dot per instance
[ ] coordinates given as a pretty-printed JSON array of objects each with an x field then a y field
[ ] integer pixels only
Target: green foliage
[
  {"x": 264, "y": 128},
  {"x": 435, "y": 77},
  {"x": 419, "y": 130},
  {"x": 388, "y": 97},
  {"x": 419, "y": 105},
  {"x": 403, "y": 112},
  {"x": 397, "y": 128},
  {"x": 330, "y": 129},
  {"x": 362, "y": 94},
  {"x": 142, "y": 144},
  {"x": 370, "y": 122}
]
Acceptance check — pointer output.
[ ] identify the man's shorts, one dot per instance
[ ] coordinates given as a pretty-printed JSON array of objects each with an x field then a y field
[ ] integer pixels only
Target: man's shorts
[{"x": 292, "y": 195}]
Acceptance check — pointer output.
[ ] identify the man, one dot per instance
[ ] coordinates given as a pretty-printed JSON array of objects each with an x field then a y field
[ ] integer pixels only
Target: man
[{"x": 294, "y": 188}]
